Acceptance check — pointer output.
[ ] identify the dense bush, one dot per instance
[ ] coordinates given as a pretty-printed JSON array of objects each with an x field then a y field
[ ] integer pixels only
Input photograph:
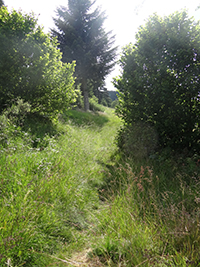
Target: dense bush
[
  {"x": 159, "y": 84},
  {"x": 137, "y": 141},
  {"x": 114, "y": 103},
  {"x": 31, "y": 67},
  {"x": 94, "y": 106},
  {"x": 11, "y": 121}
]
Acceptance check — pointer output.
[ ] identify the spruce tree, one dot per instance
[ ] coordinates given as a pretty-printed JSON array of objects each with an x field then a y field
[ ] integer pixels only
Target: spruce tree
[
  {"x": 80, "y": 32},
  {"x": 1, "y": 3}
]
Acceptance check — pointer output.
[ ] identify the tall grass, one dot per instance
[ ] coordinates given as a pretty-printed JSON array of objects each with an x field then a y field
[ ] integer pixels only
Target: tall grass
[
  {"x": 64, "y": 188},
  {"x": 47, "y": 192},
  {"x": 146, "y": 220}
]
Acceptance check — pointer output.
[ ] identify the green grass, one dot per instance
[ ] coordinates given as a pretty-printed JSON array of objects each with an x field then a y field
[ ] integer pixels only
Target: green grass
[
  {"x": 48, "y": 173},
  {"x": 65, "y": 189},
  {"x": 81, "y": 118},
  {"x": 149, "y": 219}
]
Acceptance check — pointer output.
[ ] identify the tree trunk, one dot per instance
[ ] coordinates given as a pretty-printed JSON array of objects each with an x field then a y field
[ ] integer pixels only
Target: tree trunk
[{"x": 85, "y": 95}]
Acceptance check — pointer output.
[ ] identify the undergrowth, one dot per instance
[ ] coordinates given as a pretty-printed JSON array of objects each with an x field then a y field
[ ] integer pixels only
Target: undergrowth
[
  {"x": 149, "y": 219},
  {"x": 47, "y": 172},
  {"x": 64, "y": 188}
]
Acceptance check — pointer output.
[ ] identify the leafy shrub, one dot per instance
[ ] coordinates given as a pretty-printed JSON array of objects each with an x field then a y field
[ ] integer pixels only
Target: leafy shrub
[
  {"x": 114, "y": 103},
  {"x": 160, "y": 80},
  {"x": 17, "y": 111},
  {"x": 31, "y": 66},
  {"x": 104, "y": 102},
  {"x": 11, "y": 121},
  {"x": 20, "y": 129},
  {"x": 94, "y": 106},
  {"x": 137, "y": 140},
  {"x": 104, "y": 98},
  {"x": 79, "y": 99}
]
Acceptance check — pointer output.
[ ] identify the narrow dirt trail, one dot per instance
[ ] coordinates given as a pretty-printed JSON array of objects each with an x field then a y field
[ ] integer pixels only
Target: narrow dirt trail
[
  {"x": 101, "y": 148},
  {"x": 82, "y": 260}
]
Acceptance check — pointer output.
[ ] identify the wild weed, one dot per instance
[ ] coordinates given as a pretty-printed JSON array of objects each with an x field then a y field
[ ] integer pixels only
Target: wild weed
[
  {"x": 148, "y": 224},
  {"x": 47, "y": 177}
]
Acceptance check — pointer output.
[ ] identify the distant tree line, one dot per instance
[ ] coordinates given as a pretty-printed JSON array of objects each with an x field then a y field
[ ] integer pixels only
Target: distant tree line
[{"x": 113, "y": 95}]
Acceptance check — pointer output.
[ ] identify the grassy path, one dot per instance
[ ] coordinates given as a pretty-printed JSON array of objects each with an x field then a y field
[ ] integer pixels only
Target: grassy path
[
  {"x": 150, "y": 215},
  {"x": 95, "y": 136},
  {"x": 64, "y": 202},
  {"x": 48, "y": 183}
]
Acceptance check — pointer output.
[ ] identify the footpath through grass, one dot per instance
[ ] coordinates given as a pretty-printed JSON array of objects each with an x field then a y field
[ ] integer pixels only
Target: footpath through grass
[
  {"x": 48, "y": 181},
  {"x": 68, "y": 199}
]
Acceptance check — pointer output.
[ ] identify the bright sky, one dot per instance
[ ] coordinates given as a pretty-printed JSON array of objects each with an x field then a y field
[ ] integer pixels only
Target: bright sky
[{"x": 123, "y": 17}]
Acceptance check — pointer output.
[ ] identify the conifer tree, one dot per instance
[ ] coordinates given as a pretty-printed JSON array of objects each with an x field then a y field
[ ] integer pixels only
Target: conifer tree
[
  {"x": 80, "y": 32},
  {"x": 1, "y": 3}
]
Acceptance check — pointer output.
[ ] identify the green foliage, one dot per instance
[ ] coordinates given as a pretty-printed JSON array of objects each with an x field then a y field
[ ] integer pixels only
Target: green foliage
[
  {"x": 47, "y": 194},
  {"x": 114, "y": 103},
  {"x": 81, "y": 118},
  {"x": 62, "y": 192},
  {"x": 1, "y": 3},
  {"x": 17, "y": 111},
  {"x": 150, "y": 215},
  {"x": 137, "y": 141},
  {"x": 82, "y": 38},
  {"x": 31, "y": 66},
  {"x": 104, "y": 98},
  {"x": 94, "y": 106},
  {"x": 79, "y": 98},
  {"x": 10, "y": 122},
  {"x": 113, "y": 95},
  {"x": 159, "y": 84}
]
